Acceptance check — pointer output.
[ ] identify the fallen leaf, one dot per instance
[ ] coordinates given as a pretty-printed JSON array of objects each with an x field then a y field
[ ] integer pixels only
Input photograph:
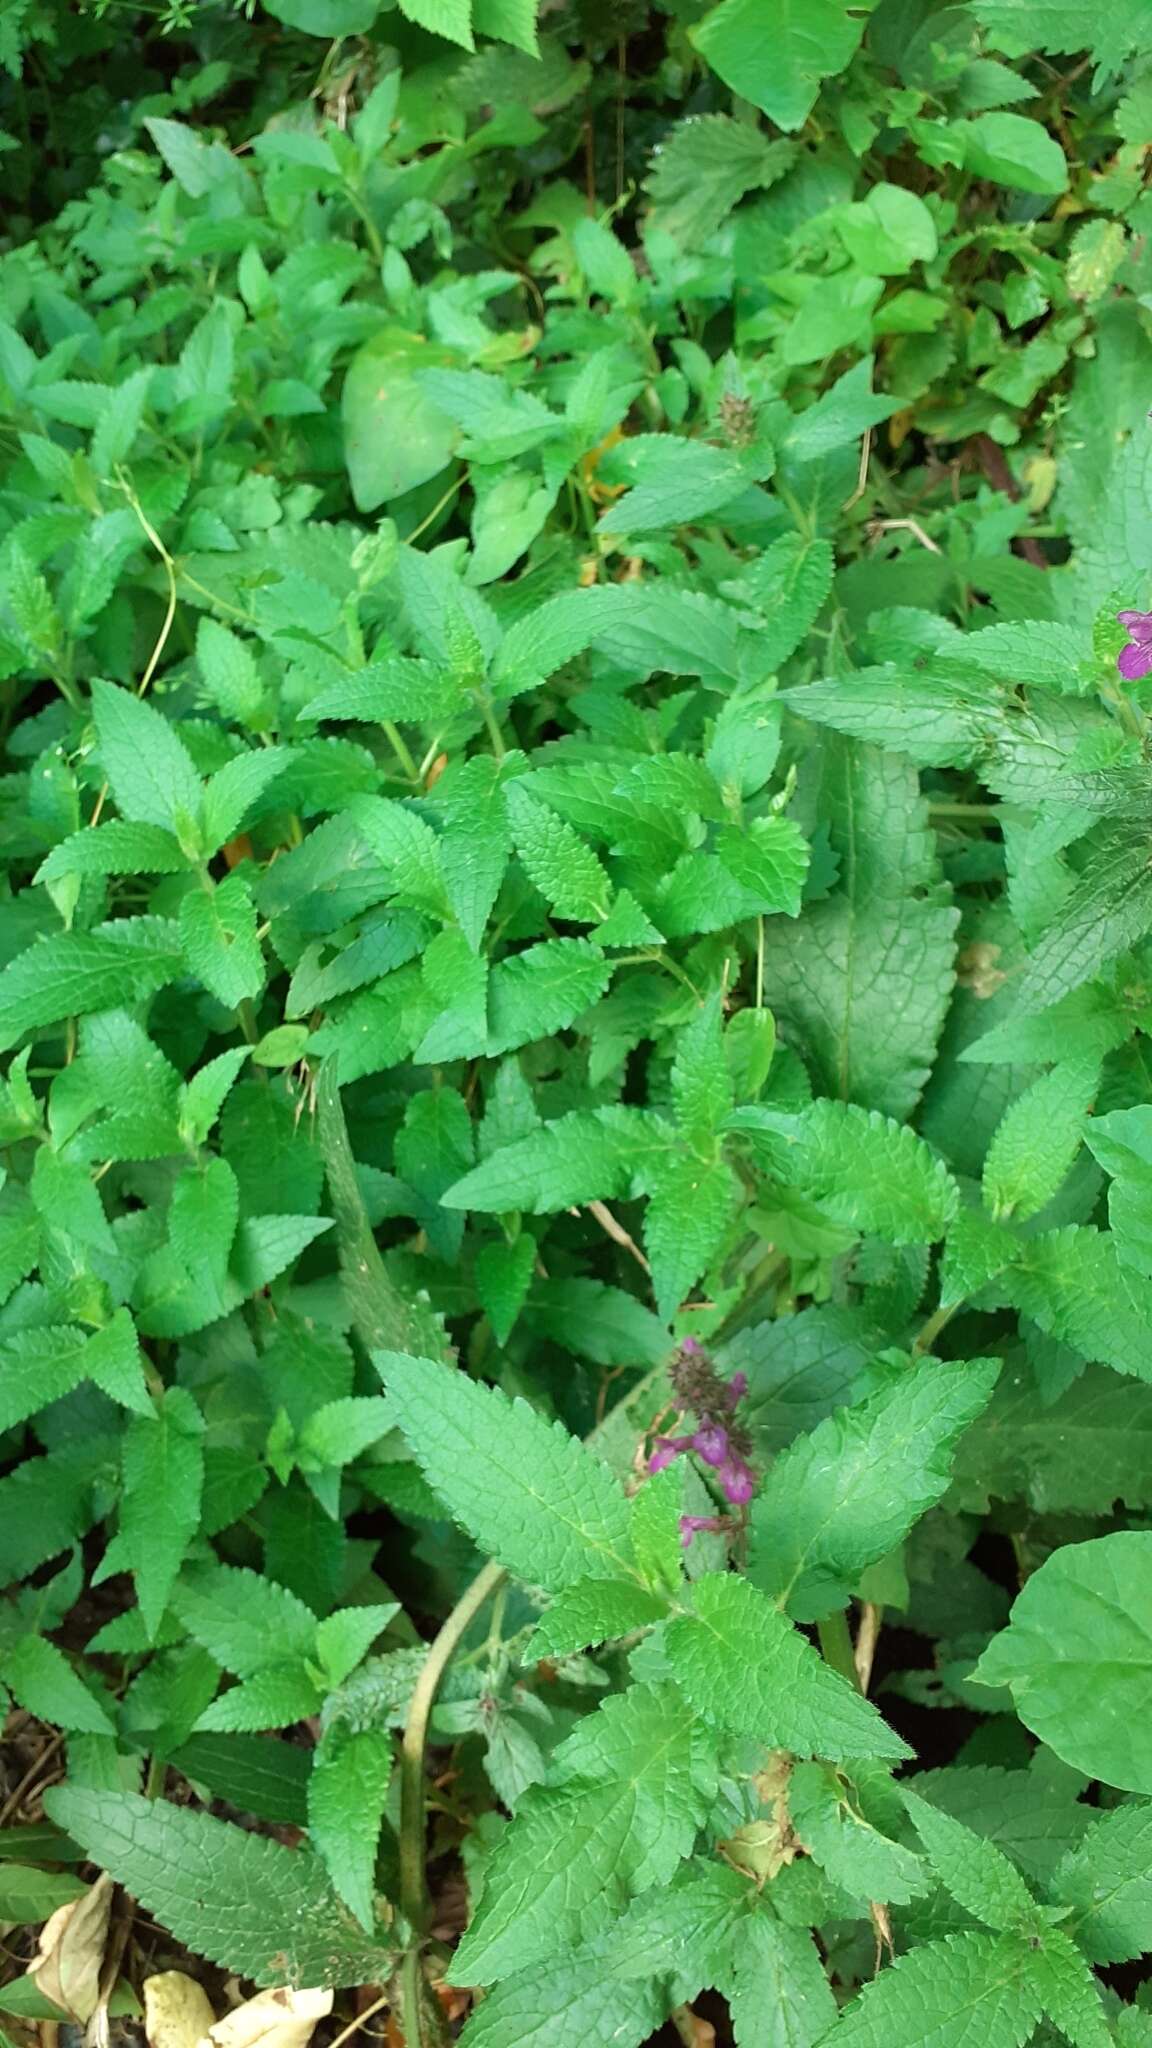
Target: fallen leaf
[
  {"x": 71, "y": 1952},
  {"x": 177, "y": 2011},
  {"x": 273, "y": 2019}
]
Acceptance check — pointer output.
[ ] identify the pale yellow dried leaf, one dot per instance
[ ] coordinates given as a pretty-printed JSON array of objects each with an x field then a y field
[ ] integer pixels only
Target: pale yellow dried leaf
[
  {"x": 273, "y": 2019},
  {"x": 177, "y": 2011},
  {"x": 71, "y": 1952}
]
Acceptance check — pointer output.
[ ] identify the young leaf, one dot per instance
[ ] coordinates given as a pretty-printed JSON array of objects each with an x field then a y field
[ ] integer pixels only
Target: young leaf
[
  {"x": 163, "y": 1474},
  {"x": 592, "y": 1611},
  {"x": 524, "y": 1489},
  {"x": 1037, "y": 1139},
  {"x": 243, "y": 1901},
  {"x": 691, "y": 1202},
  {"x": 1107, "y": 1880},
  {"x": 746, "y": 1668},
  {"x": 346, "y": 1796},
  {"x": 625, "y": 1797},
  {"x": 149, "y": 769},
  {"x": 246, "y": 1622},
  {"x": 864, "y": 1169},
  {"x": 977, "y": 1873},
  {"x": 838, "y": 1500},
  {"x": 778, "y": 1978}
]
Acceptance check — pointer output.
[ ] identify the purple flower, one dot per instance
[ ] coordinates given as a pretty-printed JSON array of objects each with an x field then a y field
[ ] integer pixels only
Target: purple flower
[
  {"x": 1135, "y": 660},
  {"x": 665, "y": 1449},
  {"x": 689, "y": 1345},
  {"x": 737, "y": 1388},
  {"x": 737, "y": 1482},
  {"x": 711, "y": 1441},
  {"x": 689, "y": 1524}
]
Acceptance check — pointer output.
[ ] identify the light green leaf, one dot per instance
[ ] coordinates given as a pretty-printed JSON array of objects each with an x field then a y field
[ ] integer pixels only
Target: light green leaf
[
  {"x": 218, "y": 934},
  {"x": 347, "y": 1791},
  {"x": 566, "y": 871},
  {"x": 842, "y": 1498},
  {"x": 119, "y": 847},
  {"x": 946, "y": 1994},
  {"x": 1107, "y": 1880},
  {"x": 149, "y": 769},
  {"x": 1038, "y": 1138},
  {"x": 746, "y": 1668},
  {"x": 590, "y": 1612},
  {"x": 1077, "y": 1657},
  {"x": 246, "y": 1622},
  {"x": 43, "y": 1682},
  {"x": 977, "y": 1873},
  {"x": 163, "y": 1475},
  {"x": 542, "y": 990},
  {"x": 779, "y": 1995},
  {"x": 626, "y": 1794},
  {"x": 776, "y": 54},
  {"x": 689, "y": 1208},
  {"x": 527, "y": 1492}
]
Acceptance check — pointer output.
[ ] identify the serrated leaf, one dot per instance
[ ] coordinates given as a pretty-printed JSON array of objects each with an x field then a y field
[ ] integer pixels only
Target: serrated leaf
[
  {"x": 977, "y": 1873},
  {"x": 779, "y": 1995},
  {"x": 542, "y": 990},
  {"x": 244, "y": 1621},
  {"x": 1070, "y": 1993},
  {"x": 276, "y": 1697},
  {"x": 586, "y": 1156},
  {"x": 243, "y": 1901},
  {"x": 1107, "y": 1880},
  {"x": 119, "y": 847},
  {"x": 863, "y": 979},
  {"x": 524, "y": 1489},
  {"x": 163, "y": 1475},
  {"x": 626, "y": 1794},
  {"x": 935, "y": 721},
  {"x": 592, "y": 1611},
  {"x": 43, "y": 1682},
  {"x": 149, "y": 769},
  {"x": 769, "y": 860},
  {"x": 746, "y": 1668},
  {"x": 1073, "y": 1285},
  {"x": 74, "y": 973},
  {"x": 346, "y": 1796},
  {"x": 842, "y": 1498},
  {"x": 690, "y": 1204},
  {"x": 1038, "y": 1138},
  {"x": 945, "y": 1994},
  {"x": 503, "y": 1275},
  {"x": 843, "y": 1842},
  {"x": 865, "y": 1170},
  {"x": 567, "y": 873},
  {"x": 218, "y": 935}
]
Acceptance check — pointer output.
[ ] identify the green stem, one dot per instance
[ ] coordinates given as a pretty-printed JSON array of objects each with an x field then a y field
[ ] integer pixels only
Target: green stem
[
  {"x": 494, "y": 732},
  {"x": 412, "y": 1896},
  {"x": 935, "y": 1323},
  {"x": 401, "y": 750},
  {"x": 836, "y": 1645}
]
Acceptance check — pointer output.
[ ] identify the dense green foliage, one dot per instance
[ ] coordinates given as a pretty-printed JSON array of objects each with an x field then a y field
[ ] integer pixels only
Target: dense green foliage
[{"x": 575, "y": 967}]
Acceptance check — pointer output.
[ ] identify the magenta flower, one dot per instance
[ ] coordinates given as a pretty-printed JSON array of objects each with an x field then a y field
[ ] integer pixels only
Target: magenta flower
[
  {"x": 665, "y": 1449},
  {"x": 1135, "y": 660},
  {"x": 690, "y": 1524},
  {"x": 737, "y": 1481},
  {"x": 711, "y": 1442}
]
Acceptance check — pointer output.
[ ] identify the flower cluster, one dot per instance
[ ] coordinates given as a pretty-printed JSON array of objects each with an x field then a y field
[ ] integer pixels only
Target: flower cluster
[
  {"x": 1135, "y": 660},
  {"x": 718, "y": 1439}
]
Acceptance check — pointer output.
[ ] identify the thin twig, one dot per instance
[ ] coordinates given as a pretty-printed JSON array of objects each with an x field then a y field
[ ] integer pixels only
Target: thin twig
[
  {"x": 867, "y": 1637},
  {"x": 354, "y": 2027},
  {"x": 617, "y": 1232},
  {"x": 862, "y": 478},
  {"x": 878, "y": 526},
  {"x": 13, "y": 1802}
]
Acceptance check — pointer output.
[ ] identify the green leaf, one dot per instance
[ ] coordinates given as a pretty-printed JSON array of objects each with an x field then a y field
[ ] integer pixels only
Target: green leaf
[
  {"x": 1077, "y": 1657},
  {"x": 626, "y": 1794},
  {"x": 1084, "y": 1450},
  {"x": 945, "y": 1994},
  {"x": 586, "y": 1156},
  {"x": 347, "y": 1792},
  {"x": 543, "y": 990},
  {"x": 75, "y": 973},
  {"x": 770, "y": 861},
  {"x": 864, "y": 1169},
  {"x": 218, "y": 935},
  {"x": 1122, "y": 1142},
  {"x": 42, "y": 1681},
  {"x": 701, "y": 1084},
  {"x": 779, "y": 1995},
  {"x": 244, "y": 1621},
  {"x": 1109, "y": 910},
  {"x": 977, "y": 1873},
  {"x": 1038, "y": 1138},
  {"x": 243, "y": 1901},
  {"x": 202, "y": 1219},
  {"x": 1072, "y": 1284},
  {"x": 1107, "y": 1880},
  {"x": 567, "y": 2003},
  {"x": 776, "y": 55},
  {"x": 844, "y": 1843},
  {"x": 30, "y": 1896},
  {"x": 526, "y": 1491},
  {"x": 149, "y": 769},
  {"x": 395, "y": 437},
  {"x": 1011, "y": 150},
  {"x": 936, "y": 722},
  {"x": 592, "y": 1611},
  {"x": 268, "y": 1779},
  {"x": 704, "y": 168},
  {"x": 163, "y": 1475},
  {"x": 1070, "y": 1993},
  {"x": 566, "y": 871},
  {"x": 503, "y": 1275},
  {"x": 863, "y": 979},
  {"x": 886, "y": 234},
  {"x": 746, "y": 1668},
  {"x": 450, "y": 18},
  {"x": 116, "y": 848},
  {"x": 688, "y": 1214},
  {"x": 228, "y": 667},
  {"x": 277, "y": 1697},
  {"x": 842, "y": 1498}
]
